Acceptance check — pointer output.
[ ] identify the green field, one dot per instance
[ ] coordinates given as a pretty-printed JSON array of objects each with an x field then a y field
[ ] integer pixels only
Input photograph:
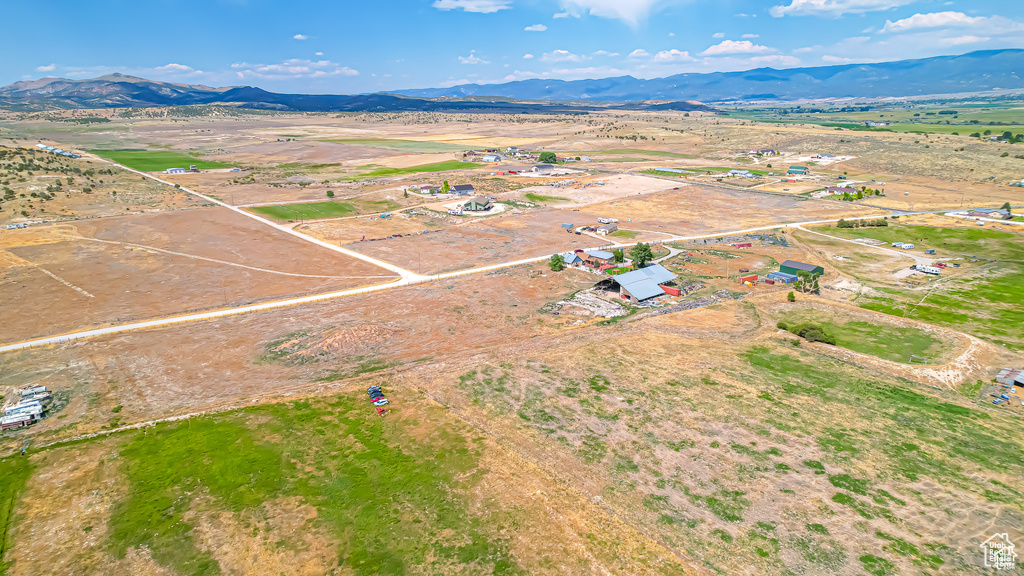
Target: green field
[
  {"x": 538, "y": 198},
  {"x": 14, "y": 472},
  {"x": 931, "y": 118},
  {"x": 402, "y": 145},
  {"x": 155, "y": 160},
  {"x": 980, "y": 298},
  {"x": 887, "y": 342},
  {"x": 422, "y": 168},
  {"x": 389, "y": 492},
  {"x": 982, "y": 242}
]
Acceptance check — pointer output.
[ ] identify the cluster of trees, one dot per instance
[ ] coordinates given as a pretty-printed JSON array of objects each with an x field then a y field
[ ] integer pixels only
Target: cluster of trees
[
  {"x": 809, "y": 332},
  {"x": 1008, "y": 136},
  {"x": 880, "y": 223}
]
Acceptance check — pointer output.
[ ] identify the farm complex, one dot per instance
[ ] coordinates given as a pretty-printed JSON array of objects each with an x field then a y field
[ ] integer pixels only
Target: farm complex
[{"x": 613, "y": 342}]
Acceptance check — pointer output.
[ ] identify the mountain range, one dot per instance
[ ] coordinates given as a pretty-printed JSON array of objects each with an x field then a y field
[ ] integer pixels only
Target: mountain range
[
  {"x": 973, "y": 72},
  {"x": 121, "y": 91}
]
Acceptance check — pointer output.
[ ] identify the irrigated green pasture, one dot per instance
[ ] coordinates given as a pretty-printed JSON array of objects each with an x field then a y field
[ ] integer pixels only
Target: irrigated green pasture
[{"x": 155, "y": 160}]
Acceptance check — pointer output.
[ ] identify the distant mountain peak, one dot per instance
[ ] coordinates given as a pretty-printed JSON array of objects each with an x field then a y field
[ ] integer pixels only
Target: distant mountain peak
[{"x": 972, "y": 72}]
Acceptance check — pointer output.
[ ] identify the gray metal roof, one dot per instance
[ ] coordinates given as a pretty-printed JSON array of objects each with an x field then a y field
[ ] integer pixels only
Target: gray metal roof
[
  {"x": 799, "y": 265},
  {"x": 643, "y": 283}
]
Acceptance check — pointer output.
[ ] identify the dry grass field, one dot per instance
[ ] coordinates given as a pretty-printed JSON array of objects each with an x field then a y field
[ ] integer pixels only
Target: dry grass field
[{"x": 702, "y": 438}]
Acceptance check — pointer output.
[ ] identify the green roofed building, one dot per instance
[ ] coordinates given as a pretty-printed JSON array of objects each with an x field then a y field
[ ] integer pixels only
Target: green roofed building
[{"x": 793, "y": 267}]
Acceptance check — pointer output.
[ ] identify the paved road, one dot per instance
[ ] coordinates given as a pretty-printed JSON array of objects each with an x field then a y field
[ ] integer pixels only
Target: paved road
[{"x": 410, "y": 279}]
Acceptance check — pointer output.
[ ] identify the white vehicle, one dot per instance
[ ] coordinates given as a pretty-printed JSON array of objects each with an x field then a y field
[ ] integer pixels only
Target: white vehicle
[{"x": 907, "y": 246}]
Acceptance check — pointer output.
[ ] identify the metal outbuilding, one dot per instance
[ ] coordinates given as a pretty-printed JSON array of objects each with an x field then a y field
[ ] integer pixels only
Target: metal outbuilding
[
  {"x": 643, "y": 284},
  {"x": 793, "y": 267}
]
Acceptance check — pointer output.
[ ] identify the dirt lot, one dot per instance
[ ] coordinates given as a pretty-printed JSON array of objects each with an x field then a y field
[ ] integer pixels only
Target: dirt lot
[
  {"x": 701, "y": 210},
  {"x": 580, "y": 194},
  {"x": 491, "y": 240},
  {"x": 67, "y": 276}
]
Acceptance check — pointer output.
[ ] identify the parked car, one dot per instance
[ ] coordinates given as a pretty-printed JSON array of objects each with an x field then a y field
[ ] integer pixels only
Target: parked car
[{"x": 381, "y": 402}]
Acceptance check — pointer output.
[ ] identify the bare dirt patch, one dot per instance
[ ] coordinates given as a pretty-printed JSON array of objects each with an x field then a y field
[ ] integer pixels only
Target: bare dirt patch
[{"x": 145, "y": 266}]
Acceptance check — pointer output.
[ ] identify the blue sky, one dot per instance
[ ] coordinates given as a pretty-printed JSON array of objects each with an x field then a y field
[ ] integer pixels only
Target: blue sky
[{"x": 343, "y": 46}]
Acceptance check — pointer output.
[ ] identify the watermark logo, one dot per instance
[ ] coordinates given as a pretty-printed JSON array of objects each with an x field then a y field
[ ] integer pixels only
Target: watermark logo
[{"x": 999, "y": 552}]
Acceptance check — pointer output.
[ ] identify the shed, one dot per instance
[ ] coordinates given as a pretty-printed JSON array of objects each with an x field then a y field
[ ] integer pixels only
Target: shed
[
  {"x": 1008, "y": 376},
  {"x": 793, "y": 267}
]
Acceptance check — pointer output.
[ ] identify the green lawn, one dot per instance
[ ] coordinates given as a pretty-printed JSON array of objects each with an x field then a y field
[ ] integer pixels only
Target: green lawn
[
  {"x": 436, "y": 167},
  {"x": 155, "y": 160},
  {"x": 887, "y": 342},
  {"x": 309, "y": 211},
  {"x": 539, "y": 198},
  {"x": 402, "y": 145},
  {"x": 625, "y": 234}
]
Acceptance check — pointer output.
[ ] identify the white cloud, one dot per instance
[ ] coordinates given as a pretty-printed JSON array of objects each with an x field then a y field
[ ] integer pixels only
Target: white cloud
[
  {"x": 751, "y": 36},
  {"x": 472, "y": 59},
  {"x": 47, "y": 68},
  {"x": 536, "y": 28},
  {"x": 561, "y": 56},
  {"x": 300, "y": 37},
  {"x": 736, "y": 47},
  {"x": 527, "y": 56},
  {"x": 639, "y": 53},
  {"x": 631, "y": 12},
  {"x": 478, "y": 6},
  {"x": 968, "y": 39},
  {"x": 718, "y": 35},
  {"x": 673, "y": 55},
  {"x": 172, "y": 67},
  {"x": 293, "y": 68},
  {"x": 937, "y": 20},
  {"x": 834, "y": 7}
]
